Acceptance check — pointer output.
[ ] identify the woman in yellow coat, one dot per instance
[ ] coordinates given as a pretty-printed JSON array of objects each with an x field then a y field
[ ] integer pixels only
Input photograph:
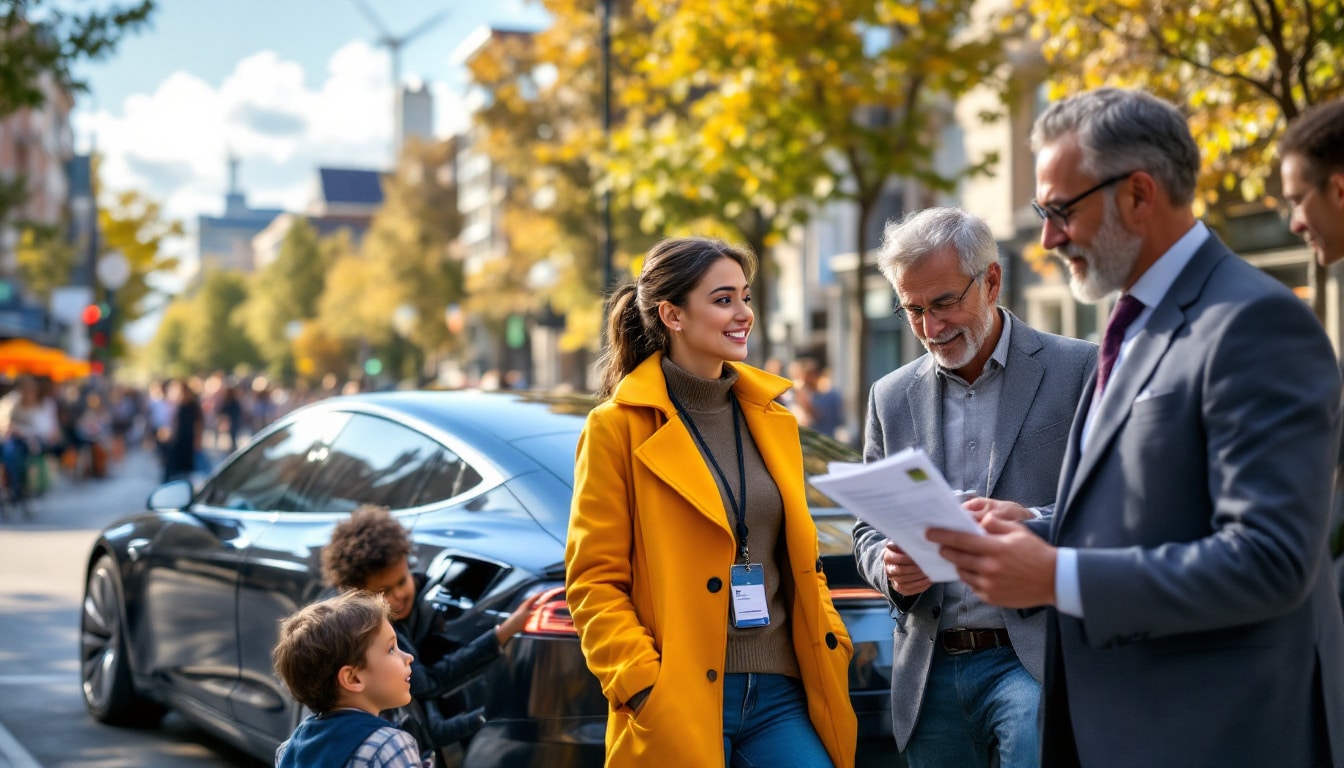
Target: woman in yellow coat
[{"x": 692, "y": 569}]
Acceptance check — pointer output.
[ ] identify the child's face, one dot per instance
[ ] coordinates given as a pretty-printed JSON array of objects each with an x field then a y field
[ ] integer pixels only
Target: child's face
[
  {"x": 387, "y": 672},
  {"x": 394, "y": 583}
]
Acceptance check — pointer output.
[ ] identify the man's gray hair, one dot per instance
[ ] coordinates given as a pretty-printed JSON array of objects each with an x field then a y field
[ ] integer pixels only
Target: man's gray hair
[
  {"x": 934, "y": 230},
  {"x": 1120, "y": 131}
]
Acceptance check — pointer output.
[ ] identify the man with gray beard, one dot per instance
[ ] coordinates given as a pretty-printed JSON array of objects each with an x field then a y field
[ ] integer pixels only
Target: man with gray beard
[
  {"x": 991, "y": 404},
  {"x": 1193, "y": 615}
]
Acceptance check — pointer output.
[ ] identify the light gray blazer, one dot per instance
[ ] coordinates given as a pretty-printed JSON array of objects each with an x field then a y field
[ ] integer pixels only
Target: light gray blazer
[
  {"x": 1044, "y": 378},
  {"x": 1212, "y": 632}
]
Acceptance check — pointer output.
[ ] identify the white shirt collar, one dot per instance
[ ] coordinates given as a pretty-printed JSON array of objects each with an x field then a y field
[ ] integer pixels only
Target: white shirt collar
[{"x": 1154, "y": 283}]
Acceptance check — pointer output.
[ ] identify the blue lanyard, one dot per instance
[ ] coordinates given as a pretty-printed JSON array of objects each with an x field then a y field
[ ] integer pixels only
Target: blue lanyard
[{"x": 739, "y": 510}]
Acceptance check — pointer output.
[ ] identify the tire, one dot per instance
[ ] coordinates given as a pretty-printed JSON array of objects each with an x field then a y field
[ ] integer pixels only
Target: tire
[{"x": 105, "y": 668}]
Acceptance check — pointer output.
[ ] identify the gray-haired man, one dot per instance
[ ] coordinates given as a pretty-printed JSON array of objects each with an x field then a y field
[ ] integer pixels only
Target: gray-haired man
[{"x": 991, "y": 403}]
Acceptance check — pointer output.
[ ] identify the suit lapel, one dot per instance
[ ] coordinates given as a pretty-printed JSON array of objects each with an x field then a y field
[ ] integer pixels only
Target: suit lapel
[
  {"x": 1022, "y": 378},
  {"x": 1142, "y": 359},
  {"x": 925, "y": 399}
]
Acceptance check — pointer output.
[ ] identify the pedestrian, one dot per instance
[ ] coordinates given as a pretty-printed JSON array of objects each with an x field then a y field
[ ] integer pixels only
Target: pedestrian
[
  {"x": 182, "y": 439},
  {"x": 695, "y": 585},
  {"x": 1312, "y": 171},
  {"x": 370, "y": 551},
  {"x": 26, "y": 427},
  {"x": 814, "y": 404},
  {"x": 1194, "y": 621},
  {"x": 991, "y": 403},
  {"x": 339, "y": 658}
]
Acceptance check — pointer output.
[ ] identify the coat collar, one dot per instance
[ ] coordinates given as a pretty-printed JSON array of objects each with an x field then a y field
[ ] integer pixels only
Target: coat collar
[
  {"x": 1022, "y": 378},
  {"x": 666, "y": 451},
  {"x": 646, "y": 386}
]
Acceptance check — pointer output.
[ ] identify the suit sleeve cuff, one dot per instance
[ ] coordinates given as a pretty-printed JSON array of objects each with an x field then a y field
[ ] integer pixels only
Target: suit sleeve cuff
[{"x": 1068, "y": 590}]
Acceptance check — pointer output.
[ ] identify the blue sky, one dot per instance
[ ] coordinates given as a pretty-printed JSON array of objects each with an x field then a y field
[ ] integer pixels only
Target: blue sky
[{"x": 285, "y": 84}]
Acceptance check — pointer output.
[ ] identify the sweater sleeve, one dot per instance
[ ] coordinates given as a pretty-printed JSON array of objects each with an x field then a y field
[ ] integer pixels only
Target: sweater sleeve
[{"x": 448, "y": 673}]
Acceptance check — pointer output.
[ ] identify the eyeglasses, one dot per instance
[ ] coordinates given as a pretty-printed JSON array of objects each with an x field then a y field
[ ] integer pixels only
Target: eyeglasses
[
  {"x": 1286, "y": 207},
  {"x": 938, "y": 309},
  {"x": 1059, "y": 213}
]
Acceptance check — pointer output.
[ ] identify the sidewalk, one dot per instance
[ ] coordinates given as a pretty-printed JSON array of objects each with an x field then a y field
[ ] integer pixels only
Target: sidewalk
[{"x": 74, "y": 510}]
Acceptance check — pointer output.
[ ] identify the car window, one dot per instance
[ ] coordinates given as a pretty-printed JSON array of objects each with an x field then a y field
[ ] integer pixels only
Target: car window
[
  {"x": 274, "y": 474},
  {"x": 374, "y": 461},
  {"x": 446, "y": 476}
]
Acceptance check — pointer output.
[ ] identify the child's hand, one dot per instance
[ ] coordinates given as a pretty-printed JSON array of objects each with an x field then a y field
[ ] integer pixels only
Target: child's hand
[{"x": 514, "y": 624}]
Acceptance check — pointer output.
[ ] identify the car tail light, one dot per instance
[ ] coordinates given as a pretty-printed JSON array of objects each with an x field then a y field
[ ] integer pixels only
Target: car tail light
[
  {"x": 551, "y": 616},
  {"x": 855, "y": 594}
]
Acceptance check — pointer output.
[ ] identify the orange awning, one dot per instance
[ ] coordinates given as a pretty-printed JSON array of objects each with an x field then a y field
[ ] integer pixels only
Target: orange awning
[{"x": 20, "y": 356}]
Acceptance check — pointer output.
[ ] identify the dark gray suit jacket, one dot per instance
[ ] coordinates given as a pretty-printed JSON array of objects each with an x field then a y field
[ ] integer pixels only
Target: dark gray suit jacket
[
  {"x": 1212, "y": 633},
  {"x": 1043, "y": 380}
]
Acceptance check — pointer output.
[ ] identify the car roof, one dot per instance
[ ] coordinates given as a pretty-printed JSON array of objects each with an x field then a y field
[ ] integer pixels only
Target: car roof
[{"x": 506, "y": 416}]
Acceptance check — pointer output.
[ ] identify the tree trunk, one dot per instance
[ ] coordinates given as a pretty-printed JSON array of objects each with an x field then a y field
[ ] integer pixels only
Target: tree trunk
[{"x": 755, "y": 235}]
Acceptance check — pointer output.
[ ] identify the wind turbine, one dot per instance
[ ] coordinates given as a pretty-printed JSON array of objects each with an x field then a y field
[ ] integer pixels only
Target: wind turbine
[{"x": 394, "y": 44}]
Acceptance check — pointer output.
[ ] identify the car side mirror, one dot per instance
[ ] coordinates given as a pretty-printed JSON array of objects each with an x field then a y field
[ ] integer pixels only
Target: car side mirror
[{"x": 174, "y": 495}]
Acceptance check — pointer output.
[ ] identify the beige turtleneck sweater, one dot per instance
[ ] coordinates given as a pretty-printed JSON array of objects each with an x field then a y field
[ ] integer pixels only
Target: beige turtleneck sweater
[{"x": 767, "y": 649}]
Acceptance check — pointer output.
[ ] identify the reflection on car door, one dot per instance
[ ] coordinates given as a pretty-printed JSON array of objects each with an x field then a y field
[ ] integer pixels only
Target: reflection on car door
[
  {"x": 372, "y": 460},
  {"x": 192, "y": 567}
]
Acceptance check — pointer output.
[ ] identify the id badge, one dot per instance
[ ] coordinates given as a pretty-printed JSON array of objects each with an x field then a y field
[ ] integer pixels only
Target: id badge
[{"x": 749, "y": 605}]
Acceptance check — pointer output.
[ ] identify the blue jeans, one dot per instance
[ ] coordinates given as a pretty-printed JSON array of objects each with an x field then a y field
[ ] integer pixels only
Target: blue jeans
[
  {"x": 975, "y": 703},
  {"x": 15, "y": 456},
  {"x": 765, "y": 723}
]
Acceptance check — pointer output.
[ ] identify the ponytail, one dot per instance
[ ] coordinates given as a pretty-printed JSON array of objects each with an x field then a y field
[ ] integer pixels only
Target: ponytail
[{"x": 628, "y": 342}]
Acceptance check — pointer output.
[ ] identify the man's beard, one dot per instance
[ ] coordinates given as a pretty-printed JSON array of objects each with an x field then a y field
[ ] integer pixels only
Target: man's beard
[
  {"x": 974, "y": 339},
  {"x": 1109, "y": 261}
]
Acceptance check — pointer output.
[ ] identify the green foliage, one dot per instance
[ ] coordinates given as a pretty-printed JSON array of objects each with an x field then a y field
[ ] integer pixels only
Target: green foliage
[
  {"x": 134, "y": 224},
  {"x": 40, "y": 38},
  {"x": 285, "y": 291},
  {"x": 212, "y": 336},
  {"x": 46, "y": 259}
]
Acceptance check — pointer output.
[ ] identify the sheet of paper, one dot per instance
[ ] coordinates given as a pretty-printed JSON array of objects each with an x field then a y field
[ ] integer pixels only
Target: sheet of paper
[{"x": 902, "y": 496}]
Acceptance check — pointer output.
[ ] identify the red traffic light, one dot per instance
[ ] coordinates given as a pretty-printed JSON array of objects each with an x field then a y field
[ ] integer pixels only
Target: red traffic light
[{"x": 91, "y": 314}]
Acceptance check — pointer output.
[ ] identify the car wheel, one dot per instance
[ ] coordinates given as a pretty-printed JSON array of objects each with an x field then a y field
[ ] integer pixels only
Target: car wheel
[{"x": 109, "y": 693}]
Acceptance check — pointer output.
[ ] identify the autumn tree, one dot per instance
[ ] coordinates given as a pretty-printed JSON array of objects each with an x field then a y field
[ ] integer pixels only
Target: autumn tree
[
  {"x": 796, "y": 100},
  {"x": 282, "y": 292},
  {"x": 135, "y": 225},
  {"x": 409, "y": 243},
  {"x": 1243, "y": 69},
  {"x": 542, "y": 130},
  {"x": 212, "y": 335}
]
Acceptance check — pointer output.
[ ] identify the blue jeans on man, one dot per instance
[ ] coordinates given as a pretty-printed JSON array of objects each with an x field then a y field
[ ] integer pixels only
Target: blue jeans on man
[
  {"x": 765, "y": 723},
  {"x": 968, "y": 696}
]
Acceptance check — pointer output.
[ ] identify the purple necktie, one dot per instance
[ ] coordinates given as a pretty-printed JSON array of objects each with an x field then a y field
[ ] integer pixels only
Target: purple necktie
[{"x": 1127, "y": 309}]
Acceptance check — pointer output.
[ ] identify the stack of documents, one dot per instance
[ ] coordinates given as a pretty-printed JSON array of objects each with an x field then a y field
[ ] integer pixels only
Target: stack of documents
[{"x": 901, "y": 496}]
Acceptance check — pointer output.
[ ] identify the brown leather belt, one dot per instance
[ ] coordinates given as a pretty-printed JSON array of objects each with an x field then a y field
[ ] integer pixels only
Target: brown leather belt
[{"x": 960, "y": 640}]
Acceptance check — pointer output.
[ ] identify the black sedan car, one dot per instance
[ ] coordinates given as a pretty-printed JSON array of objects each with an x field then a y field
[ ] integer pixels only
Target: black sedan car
[{"x": 183, "y": 601}]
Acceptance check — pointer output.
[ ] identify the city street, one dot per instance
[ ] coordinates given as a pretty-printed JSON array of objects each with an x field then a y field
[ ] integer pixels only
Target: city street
[{"x": 42, "y": 717}]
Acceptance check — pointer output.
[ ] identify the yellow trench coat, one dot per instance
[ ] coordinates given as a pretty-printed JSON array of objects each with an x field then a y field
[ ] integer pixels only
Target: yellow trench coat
[{"x": 649, "y": 539}]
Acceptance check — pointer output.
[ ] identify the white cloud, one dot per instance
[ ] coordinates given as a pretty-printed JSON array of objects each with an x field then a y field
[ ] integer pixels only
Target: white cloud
[{"x": 172, "y": 143}]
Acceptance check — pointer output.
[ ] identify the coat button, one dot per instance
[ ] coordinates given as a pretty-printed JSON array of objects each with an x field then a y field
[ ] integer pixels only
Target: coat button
[
  {"x": 936, "y": 611},
  {"x": 831, "y": 642},
  {"x": 714, "y": 584},
  {"x": 818, "y": 565},
  {"x": 712, "y": 675}
]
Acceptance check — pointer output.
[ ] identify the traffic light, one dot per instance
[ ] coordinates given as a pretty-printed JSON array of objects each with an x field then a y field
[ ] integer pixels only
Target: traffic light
[{"x": 98, "y": 320}]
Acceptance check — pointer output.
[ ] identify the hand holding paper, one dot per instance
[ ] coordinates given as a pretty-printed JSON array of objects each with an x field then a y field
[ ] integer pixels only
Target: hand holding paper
[{"x": 902, "y": 496}]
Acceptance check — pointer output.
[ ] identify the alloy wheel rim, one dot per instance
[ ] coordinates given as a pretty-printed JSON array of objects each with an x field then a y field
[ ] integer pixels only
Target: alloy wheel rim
[{"x": 98, "y": 638}]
